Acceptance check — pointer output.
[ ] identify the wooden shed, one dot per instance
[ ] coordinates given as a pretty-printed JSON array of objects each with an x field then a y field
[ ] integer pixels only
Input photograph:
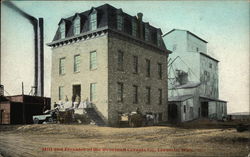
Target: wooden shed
[{"x": 19, "y": 109}]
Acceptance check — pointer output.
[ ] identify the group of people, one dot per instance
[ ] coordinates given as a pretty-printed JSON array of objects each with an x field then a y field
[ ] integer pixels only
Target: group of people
[{"x": 74, "y": 104}]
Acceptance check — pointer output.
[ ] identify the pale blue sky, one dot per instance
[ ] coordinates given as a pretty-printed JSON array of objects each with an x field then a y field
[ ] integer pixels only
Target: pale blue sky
[{"x": 224, "y": 24}]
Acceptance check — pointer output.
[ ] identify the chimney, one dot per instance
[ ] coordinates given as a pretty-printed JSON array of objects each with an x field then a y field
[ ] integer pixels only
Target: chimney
[
  {"x": 139, "y": 17},
  {"x": 40, "y": 79}
]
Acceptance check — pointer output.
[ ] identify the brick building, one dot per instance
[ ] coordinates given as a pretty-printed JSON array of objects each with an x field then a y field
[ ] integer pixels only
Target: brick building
[
  {"x": 115, "y": 60},
  {"x": 19, "y": 109}
]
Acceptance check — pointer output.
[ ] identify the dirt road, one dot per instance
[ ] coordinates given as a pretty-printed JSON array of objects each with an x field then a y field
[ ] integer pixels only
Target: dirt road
[{"x": 87, "y": 140}]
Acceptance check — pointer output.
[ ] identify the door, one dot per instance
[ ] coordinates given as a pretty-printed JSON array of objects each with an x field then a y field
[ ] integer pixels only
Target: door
[
  {"x": 1, "y": 116},
  {"x": 204, "y": 109},
  {"x": 172, "y": 113},
  {"x": 76, "y": 92}
]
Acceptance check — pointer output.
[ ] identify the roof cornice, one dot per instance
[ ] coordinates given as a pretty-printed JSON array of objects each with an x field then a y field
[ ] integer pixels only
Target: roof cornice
[{"x": 98, "y": 32}]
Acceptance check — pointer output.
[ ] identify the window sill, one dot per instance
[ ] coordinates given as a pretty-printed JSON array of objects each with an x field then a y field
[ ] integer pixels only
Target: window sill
[
  {"x": 93, "y": 69},
  {"x": 76, "y": 72}
]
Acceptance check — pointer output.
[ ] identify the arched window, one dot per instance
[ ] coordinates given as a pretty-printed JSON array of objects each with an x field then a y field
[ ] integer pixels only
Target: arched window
[
  {"x": 93, "y": 20},
  {"x": 77, "y": 25},
  {"x": 62, "y": 30}
]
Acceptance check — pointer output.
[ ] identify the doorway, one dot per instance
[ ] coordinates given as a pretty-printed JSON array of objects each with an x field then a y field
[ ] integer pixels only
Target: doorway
[
  {"x": 1, "y": 116},
  {"x": 76, "y": 92},
  {"x": 172, "y": 113},
  {"x": 204, "y": 109}
]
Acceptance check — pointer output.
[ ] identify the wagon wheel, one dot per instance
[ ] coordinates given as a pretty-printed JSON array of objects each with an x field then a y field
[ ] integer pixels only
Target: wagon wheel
[
  {"x": 50, "y": 120},
  {"x": 36, "y": 121}
]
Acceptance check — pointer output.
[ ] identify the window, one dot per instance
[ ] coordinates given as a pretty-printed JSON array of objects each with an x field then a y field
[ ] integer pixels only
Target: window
[
  {"x": 160, "y": 117},
  {"x": 93, "y": 21},
  {"x": 77, "y": 25},
  {"x": 160, "y": 96},
  {"x": 197, "y": 49},
  {"x": 119, "y": 22},
  {"x": 174, "y": 47},
  {"x": 148, "y": 95},
  {"x": 62, "y": 30},
  {"x": 120, "y": 60},
  {"x": 184, "y": 108},
  {"x": 135, "y": 64},
  {"x": 159, "y": 70},
  {"x": 159, "y": 42},
  {"x": 92, "y": 91},
  {"x": 147, "y": 35},
  {"x": 135, "y": 92},
  {"x": 76, "y": 63},
  {"x": 62, "y": 66},
  {"x": 93, "y": 60},
  {"x": 134, "y": 28},
  {"x": 148, "y": 67},
  {"x": 60, "y": 92},
  {"x": 210, "y": 65},
  {"x": 120, "y": 92}
]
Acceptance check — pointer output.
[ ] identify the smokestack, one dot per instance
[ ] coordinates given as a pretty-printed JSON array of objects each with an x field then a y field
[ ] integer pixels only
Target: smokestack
[
  {"x": 139, "y": 17},
  {"x": 38, "y": 48},
  {"x": 41, "y": 59}
]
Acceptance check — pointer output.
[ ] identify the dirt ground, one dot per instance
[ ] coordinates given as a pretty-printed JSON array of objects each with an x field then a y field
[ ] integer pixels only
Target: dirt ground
[{"x": 60, "y": 140}]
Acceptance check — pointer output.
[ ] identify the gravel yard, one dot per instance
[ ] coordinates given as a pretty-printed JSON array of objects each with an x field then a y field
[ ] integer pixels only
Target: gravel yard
[{"x": 88, "y": 140}]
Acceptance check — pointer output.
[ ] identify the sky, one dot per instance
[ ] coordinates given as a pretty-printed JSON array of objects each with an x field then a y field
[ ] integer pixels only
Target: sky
[{"x": 224, "y": 24}]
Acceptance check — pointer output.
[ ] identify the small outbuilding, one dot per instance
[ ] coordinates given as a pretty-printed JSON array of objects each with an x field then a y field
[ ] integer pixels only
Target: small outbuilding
[{"x": 19, "y": 109}]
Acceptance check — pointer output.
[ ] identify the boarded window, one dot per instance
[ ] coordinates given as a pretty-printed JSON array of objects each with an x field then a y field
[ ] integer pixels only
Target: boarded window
[
  {"x": 62, "y": 66},
  {"x": 120, "y": 92},
  {"x": 135, "y": 94},
  {"x": 135, "y": 64},
  {"x": 92, "y": 91},
  {"x": 76, "y": 63},
  {"x": 93, "y": 60}
]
